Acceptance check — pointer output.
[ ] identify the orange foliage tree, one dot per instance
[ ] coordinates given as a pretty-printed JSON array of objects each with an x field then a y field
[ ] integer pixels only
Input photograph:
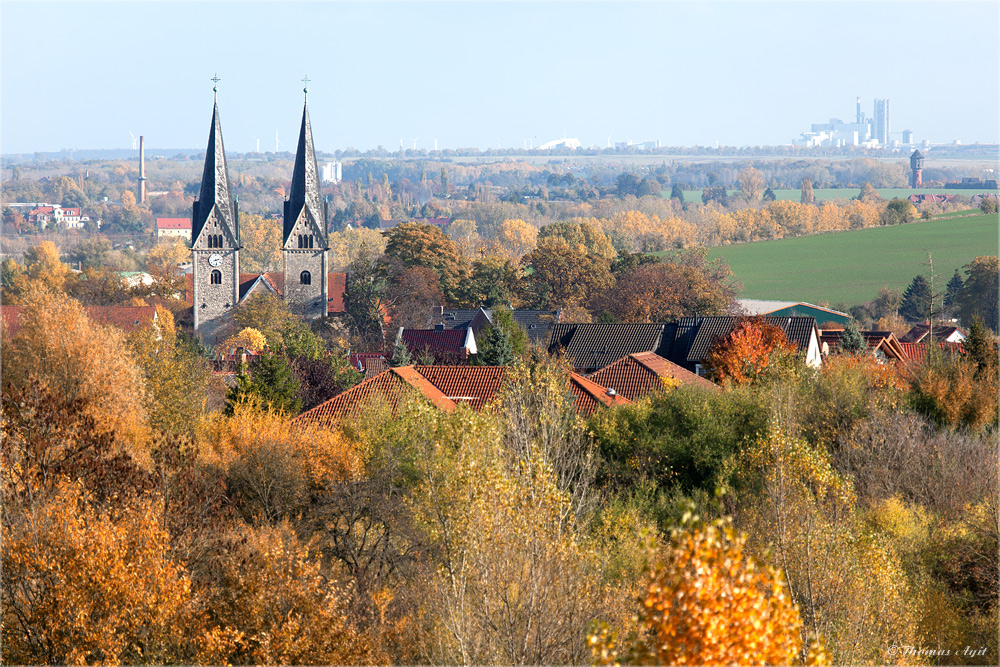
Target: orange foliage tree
[
  {"x": 708, "y": 602},
  {"x": 744, "y": 354}
]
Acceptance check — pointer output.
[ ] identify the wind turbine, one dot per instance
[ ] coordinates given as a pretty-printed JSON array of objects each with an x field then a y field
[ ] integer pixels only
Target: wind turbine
[
  {"x": 276, "y": 142},
  {"x": 414, "y": 144},
  {"x": 133, "y": 139}
]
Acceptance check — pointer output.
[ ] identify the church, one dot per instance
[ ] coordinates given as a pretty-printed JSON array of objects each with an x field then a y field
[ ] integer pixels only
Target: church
[{"x": 217, "y": 286}]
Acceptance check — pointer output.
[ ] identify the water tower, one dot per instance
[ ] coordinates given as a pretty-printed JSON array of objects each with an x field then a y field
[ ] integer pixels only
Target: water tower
[{"x": 916, "y": 169}]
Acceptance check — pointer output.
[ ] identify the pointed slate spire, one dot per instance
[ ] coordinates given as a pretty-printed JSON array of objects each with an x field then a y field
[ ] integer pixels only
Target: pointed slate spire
[
  {"x": 304, "y": 192},
  {"x": 215, "y": 194}
]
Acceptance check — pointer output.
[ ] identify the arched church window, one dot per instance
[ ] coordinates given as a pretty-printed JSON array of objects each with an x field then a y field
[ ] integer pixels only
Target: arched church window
[
  {"x": 310, "y": 240},
  {"x": 305, "y": 278},
  {"x": 216, "y": 277}
]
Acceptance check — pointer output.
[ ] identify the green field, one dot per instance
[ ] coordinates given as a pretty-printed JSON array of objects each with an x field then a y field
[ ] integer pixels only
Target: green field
[
  {"x": 849, "y": 267},
  {"x": 829, "y": 194}
]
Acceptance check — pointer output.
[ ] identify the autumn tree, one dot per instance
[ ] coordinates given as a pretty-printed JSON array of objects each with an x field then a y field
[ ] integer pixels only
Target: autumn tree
[
  {"x": 563, "y": 274},
  {"x": 163, "y": 258},
  {"x": 663, "y": 291},
  {"x": 83, "y": 586},
  {"x": 90, "y": 365},
  {"x": 807, "y": 192},
  {"x": 705, "y": 580},
  {"x": 367, "y": 301},
  {"x": 747, "y": 352},
  {"x": 413, "y": 293},
  {"x": 419, "y": 244},
  {"x": 898, "y": 212},
  {"x": 267, "y": 313},
  {"x": 751, "y": 184},
  {"x": 494, "y": 281},
  {"x": 44, "y": 268},
  {"x": 582, "y": 236},
  {"x": 517, "y": 238},
  {"x": 261, "y": 240}
]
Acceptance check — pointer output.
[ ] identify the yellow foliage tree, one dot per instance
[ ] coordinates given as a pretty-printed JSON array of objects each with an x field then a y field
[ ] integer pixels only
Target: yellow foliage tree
[
  {"x": 261, "y": 238},
  {"x": 248, "y": 338},
  {"x": 83, "y": 586},
  {"x": 91, "y": 365},
  {"x": 517, "y": 238},
  {"x": 164, "y": 257},
  {"x": 708, "y": 602},
  {"x": 44, "y": 268},
  {"x": 847, "y": 582}
]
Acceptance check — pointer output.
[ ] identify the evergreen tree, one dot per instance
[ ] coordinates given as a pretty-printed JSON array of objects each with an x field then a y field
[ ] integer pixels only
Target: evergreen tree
[
  {"x": 769, "y": 195},
  {"x": 981, "y": 346},
  {"x": 677, "y": 193},
  {"x": 497, "y": 349},
  {"x": 916, "y": 303},
  {"x": 271, "y": 380},
  {"x": 953, "y": 291},
  {"x": 400, "y": 355},
  {"x": 852, "y": 342}
]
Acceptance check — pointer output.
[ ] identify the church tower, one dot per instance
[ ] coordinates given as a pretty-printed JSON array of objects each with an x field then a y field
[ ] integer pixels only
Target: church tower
[
  {"x": 215, "y": 241},
  {"x": 305, "y": 240}
]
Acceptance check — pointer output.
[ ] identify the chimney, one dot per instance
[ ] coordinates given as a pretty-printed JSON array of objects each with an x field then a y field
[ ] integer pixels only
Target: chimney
[{"x": 142, "y": 170}]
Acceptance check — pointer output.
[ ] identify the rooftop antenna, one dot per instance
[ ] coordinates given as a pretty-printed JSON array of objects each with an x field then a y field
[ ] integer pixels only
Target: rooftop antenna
[{"x": 134, "y": 140}]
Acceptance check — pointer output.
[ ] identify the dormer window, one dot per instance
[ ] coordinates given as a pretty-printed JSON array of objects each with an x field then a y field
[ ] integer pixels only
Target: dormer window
[{"x": 305, "y": 278}]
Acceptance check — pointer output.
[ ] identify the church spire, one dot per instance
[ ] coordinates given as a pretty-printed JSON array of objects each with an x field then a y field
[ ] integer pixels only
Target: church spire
[
  {"x": 304, "y": 196},
  {"x": 215, "y": 194}
]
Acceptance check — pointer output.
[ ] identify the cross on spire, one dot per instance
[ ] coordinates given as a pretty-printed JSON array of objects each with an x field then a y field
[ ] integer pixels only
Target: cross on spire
[
  {"x": 305, "y": 89},
  {"x": 215, "y": 89}
]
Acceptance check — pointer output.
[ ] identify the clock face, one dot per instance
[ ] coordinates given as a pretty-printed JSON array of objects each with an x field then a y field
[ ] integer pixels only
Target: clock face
[{"x": 215, "y": 259}]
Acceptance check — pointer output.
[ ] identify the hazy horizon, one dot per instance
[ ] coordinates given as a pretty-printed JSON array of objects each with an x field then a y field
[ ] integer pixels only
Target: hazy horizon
[{"x": 83, "y": 75}]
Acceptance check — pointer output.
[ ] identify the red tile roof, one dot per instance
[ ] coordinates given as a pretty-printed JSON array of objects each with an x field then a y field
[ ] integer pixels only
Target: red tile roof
[
  {"x": 917, "y": 352},
  {"x": 442, "y": 342},
  {"x": 337, "y": 286},
  {"x": 590, "y": 395},
  {"x": 173, "y": 223},
  {"x": 475, "y": 385},
  {"x": 126, "y": 318},
  {"x": 637, "y": 375},
  {"x": 388, "y": 385}
]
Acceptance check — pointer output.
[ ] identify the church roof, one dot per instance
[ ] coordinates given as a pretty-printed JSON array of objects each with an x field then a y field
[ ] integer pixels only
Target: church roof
[
  {"x": 304, "y": 191},
  {"x": 215, "y": 193}
]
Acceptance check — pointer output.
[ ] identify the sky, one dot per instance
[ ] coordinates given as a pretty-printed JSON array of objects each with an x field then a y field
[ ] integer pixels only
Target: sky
[{"x": 84, "y": 75}]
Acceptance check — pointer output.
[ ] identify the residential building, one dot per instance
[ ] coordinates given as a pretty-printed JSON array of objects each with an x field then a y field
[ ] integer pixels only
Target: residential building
[
  {"x": 447, "y": 346},
  {"x": 536, "y": 323},
  {"x": 173, "y": 228},
  {"x": 792, "y": 308},
  {"x": 637, "y": 375}
]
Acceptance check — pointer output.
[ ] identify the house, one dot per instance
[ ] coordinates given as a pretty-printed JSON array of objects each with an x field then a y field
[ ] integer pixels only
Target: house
[
  {"x": 637, "y": 375},
  {"x": 445, "y": 387},
  {"x": 173, "y": 228},
  {"x": 70, "y": 217},
  {"x": 590, "y": 347},
  {"x": 126, "y": 318},
  {"x": 444, "y": 345},
  {"x": 942, "y": 332},
  {"x": 687, "y": 341},
  {"x": 883, "y": 345},
  {"x": 536, "y": 323},
  {"x": 368, "y": 363},
  {"x": 792, "y": 308},
  {"x": 916, "y": 353}
]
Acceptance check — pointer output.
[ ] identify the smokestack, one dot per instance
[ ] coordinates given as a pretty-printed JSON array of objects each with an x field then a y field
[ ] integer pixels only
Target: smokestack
[{"x": 142, "y": 170}]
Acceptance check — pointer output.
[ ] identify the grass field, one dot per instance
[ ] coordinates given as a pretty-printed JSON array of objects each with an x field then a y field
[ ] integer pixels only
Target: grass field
[
  {"x": 849, "y": 267},
  {"x": 829, "y": 194}
]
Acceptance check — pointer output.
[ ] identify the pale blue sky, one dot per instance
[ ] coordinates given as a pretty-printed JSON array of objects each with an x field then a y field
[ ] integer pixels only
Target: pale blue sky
[{"x": 81, "y": 75}]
